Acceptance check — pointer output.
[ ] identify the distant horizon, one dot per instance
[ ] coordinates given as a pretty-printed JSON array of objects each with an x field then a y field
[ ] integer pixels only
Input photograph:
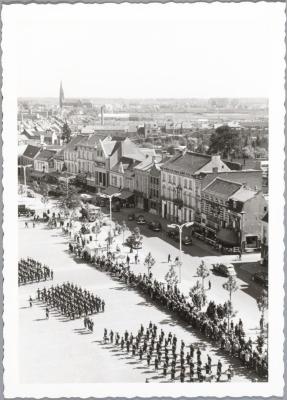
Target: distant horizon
[{"x": 147, "y": 98}]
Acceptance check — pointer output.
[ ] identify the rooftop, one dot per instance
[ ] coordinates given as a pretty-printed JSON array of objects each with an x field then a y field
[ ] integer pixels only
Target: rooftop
[
  {"x": 243, "y": 194},
  {"x": 31, "y": 151},
  {"x": 189, "y": 162},
  {"x": 222, "y": 187},
  {"x": 45, "y": 155}
]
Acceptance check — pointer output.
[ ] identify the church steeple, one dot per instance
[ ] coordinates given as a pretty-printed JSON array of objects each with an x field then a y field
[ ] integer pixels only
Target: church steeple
[{"x": 61, "y": 96}]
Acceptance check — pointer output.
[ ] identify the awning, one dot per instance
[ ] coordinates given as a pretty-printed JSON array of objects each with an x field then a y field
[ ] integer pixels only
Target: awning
[
  {"x": 228, "y": 237},
  {"x": 110, "y": 190},
  {"x": 125, "y": 194}
]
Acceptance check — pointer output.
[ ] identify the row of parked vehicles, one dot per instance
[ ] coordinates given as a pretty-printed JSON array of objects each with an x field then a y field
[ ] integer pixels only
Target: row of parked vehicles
[{"x": 157, "y": 227}]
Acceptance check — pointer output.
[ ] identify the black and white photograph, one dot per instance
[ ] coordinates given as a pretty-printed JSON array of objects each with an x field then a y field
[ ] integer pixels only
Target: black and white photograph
[{"x": 143, "y": 194}]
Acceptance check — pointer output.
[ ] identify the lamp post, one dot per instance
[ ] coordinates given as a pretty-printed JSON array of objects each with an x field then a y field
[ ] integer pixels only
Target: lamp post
[
  {"x": 241, "y": 233},
  {"x": 180, "y": 227},
  {"x": 24, "y": 168},
  {"x": 110, "y": 197}
]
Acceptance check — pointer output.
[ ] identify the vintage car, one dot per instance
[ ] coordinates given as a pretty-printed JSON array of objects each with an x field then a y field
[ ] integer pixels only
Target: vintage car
[
  {"x": 155, "y": 226},
  {"x": 261, "y": 278},
  {"x": 140, "y": 220},
  {"x": 224, "y": 269}
]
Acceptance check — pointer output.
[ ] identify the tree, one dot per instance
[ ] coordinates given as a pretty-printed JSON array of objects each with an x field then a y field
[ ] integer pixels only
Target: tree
[
  {"x": 137, "y": 236},
  {"x": 197, "y": 295},
  {"x": 224, "y": 141},
  {"x": 43, "y": 189},
  {"x": 230, "y": 312},
  {"x": 124, "y": 228},
  {"x": 149, "y": 263},
  {"x": 202, "y": 272},
  {"x": 97, "y": 230},
  {"x": 69, "y": 201},
  {"x": 262, "y": 303},
  {"x": 171, "y": 276},
  {"x": 66, "y": 133},
  {"x": 231, "y": 286}
]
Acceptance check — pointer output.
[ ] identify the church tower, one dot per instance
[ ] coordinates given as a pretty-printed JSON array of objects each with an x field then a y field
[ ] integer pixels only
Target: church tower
[{"x": 61, "y": 96}]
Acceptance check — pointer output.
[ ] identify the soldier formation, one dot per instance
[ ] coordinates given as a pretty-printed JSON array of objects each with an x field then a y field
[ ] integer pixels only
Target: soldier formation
[
  {"x": 211, "y": 323},
  {"x": 30, "y": 271},
  {"x": 71, "y": 300},
  {"x": 167, "y": 356}
]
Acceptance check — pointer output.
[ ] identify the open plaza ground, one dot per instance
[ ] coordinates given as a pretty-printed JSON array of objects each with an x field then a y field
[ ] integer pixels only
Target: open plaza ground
[{"x": 57, "y": 350}]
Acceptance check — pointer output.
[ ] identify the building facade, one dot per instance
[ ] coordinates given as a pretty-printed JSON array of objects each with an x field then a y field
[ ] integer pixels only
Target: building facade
[
  {"x": 178, "y": 184},
  {"x": 231, "y": 215}
]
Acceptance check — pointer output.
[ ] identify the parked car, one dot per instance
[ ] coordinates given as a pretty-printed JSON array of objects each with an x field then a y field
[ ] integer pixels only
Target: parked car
[
  {"x": 131, "y": 217},
  {"x": 140, "y": 220},
  {"x": 260, "y": 277},
  {"x": 172, "y": 233},
  {"x": 25, "y": 211},
  {"x": 225, "y": 269},
  {"x": 30, "y": 194},
  {"x": 155, "y": 226},
  {"x": 186, "y": 240}
]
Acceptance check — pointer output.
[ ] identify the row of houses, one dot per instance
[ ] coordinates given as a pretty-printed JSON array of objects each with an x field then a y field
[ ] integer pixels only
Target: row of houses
[{"x": 226, "y": 204}]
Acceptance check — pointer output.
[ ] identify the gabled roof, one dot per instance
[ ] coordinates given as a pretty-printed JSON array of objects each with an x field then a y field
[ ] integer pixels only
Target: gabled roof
[
  {"x": 189, "y": 162},
  {"x": 45, "y": 155},
  {"x": 71, "y": 146},
  {"x": 243, "y": 194},
  {"x": 108, "y": 146},
  {"x": 31, "y": 151},
  {"x": 128, "y": 149},
  {"x": 93, "y": 141},
  {"x": 145, "y": 165},
  {"x": 249, "y": 177},
  {"x": 222, "y": 187}
]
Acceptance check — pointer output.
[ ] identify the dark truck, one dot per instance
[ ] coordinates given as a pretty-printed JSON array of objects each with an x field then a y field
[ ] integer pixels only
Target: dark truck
[{"x": 24, "y": 211}]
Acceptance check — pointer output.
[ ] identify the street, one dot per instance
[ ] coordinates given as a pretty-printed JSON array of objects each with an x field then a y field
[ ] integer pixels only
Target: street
[{"x": 65, "y": 352}]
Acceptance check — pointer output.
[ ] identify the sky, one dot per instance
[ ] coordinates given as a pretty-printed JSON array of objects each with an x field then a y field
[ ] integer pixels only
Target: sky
[{"x": 143, "y": 51}]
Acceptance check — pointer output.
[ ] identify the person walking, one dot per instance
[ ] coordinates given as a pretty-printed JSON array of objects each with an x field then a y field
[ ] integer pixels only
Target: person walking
[
  {"x": 209, "y": 284},
  {"x": 229, "y": 373},
  {"x": 47, "y": 313},
  {"x": 30, "y": 301},
  {"x": 169, "y": 258}
]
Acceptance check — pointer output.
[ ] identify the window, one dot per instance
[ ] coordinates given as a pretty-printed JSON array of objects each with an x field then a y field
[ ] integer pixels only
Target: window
[
  {"x": 163, "y": 177},
  {"x": 174, "y": 179},
  {"x": 185, "y": 183}
]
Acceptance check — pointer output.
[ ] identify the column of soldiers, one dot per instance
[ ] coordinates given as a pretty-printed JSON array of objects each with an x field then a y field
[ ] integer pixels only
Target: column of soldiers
[
  {"x": 72, "y": 301},
  {"x": 30, "y": 270},
  {"x": 212, "y": 323},
  {"x": 165, "y": 354}
]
